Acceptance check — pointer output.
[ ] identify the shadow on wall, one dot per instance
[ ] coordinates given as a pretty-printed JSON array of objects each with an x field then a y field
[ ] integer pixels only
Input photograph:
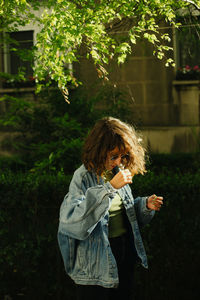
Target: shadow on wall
[
  {"x": 172, "y": 139},
  {"x": 186, "y": 142}
]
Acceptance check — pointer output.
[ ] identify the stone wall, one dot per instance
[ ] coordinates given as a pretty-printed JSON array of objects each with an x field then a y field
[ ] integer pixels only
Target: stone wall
[{"x": 167, "y": 115}]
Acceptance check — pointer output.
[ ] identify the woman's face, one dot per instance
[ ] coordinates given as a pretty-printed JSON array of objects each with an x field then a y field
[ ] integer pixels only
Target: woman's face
[{"x": 114, "y": 158}]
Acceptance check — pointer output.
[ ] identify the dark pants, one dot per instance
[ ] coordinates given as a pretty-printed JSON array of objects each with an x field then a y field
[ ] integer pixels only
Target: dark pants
[{"x": 125, "y": 255}]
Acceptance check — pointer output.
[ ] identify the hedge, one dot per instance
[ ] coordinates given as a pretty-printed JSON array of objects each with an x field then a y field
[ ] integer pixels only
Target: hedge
[{"x": 31, "y": 265}]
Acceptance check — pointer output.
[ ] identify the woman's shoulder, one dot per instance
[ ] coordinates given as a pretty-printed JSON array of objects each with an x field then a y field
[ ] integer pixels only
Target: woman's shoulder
[
  {"x": 80, "y": 169},
  {"x": 79, "y": 173},
  {"x": 83, "y": 176}
]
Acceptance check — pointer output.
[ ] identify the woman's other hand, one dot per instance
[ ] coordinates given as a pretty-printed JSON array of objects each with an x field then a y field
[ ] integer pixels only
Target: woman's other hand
[{"x": 154, "y": 202}]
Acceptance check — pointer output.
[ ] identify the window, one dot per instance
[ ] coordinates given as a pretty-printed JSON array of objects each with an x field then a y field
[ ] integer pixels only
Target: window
[
  {"x": 18, "y": 55},
  {"x": 188, "y": 38}
]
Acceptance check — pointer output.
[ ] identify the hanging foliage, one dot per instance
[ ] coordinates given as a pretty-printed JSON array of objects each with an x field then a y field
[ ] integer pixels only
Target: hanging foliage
[{"x": 107, "y": 30}]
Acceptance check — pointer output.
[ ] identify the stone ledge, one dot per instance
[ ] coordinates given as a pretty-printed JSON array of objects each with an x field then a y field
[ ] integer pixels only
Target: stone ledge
[
  {"x": 17, "y": 90},
  {"x": 186, "y": 82}
]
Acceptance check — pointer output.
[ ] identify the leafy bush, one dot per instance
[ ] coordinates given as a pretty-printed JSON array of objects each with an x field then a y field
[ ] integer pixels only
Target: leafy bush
[
  {"x": 172, "y": 238},
  {"x": 51, "y": 132},
  {"x": 31, "y": 265},
  {"x": 29, "y": 257},
  {"x": 177, "y": 162}
]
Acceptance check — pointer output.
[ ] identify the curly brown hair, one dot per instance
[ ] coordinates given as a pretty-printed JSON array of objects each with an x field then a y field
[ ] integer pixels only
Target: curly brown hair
[{"x": 107, "y": 134}]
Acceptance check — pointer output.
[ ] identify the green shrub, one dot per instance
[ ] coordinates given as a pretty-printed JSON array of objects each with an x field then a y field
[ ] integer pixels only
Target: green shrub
[
  {"x": 177, "y": 162},
  {"x": 29, "y": 257},
  {"x": 51, "y": 131},
  {"x": 31, "y": 264},
  {"x": 172, "y": 238}
]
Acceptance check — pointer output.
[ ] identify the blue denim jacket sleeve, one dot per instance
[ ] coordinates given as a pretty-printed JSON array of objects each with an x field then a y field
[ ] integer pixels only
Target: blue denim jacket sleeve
[
  {"x": 84, "y": 205},
  {"x": 143, "y": 213}
]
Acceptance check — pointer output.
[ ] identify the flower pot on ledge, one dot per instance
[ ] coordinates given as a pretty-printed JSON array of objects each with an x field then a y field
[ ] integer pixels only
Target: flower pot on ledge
[{"x": 187, "y": 97}]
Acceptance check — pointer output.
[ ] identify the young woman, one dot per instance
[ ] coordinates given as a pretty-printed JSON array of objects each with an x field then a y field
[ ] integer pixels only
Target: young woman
[{"x": 99, "y": 228}]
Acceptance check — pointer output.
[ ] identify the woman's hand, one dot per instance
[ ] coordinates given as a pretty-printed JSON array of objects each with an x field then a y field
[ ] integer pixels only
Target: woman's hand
[
  {"x": 154, "y": 202},
  {"x": 121, "y": 179}
]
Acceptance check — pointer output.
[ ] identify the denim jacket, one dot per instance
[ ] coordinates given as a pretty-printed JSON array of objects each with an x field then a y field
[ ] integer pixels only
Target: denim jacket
[{"x": 83, "y": 228}]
